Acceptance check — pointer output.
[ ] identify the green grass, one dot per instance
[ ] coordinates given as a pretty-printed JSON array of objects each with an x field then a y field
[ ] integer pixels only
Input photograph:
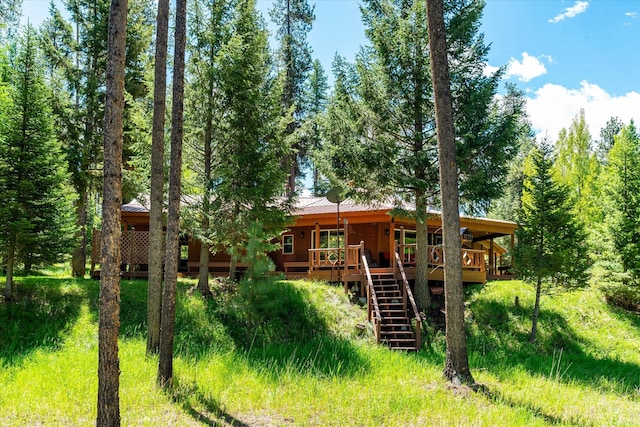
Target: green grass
[{"x": 289, "y": 353}]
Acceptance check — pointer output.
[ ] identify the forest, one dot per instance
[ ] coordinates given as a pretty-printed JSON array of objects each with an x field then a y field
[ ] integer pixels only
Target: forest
[{"x": 195, "y": 107}]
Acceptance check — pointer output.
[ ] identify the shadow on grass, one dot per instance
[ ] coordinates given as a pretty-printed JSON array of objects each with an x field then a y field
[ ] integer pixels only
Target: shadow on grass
[
  {"x": 271, "y": 325},
  {"x": 202, "y": 408},
  {"x": 501, "y": 399},
  {"x": 133, "y": 307},
  {"x": 501, "y": 337},
  {"x": 44, "y": 309}
]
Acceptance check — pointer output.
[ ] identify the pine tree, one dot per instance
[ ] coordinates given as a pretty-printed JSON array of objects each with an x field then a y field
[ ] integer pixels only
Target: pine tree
[
  {"x": 622, "y": 189},
  {"x": 247, "y": 177},
  {"x": 456, "y": 367},
  {"x": 36, "y": 219},
  {"x": 294, "y": 19},
  {"x": 317, "y": 99},
  {"x": 210, "y": 31},
  {"x": 380, "y": 131},
  {"x": 109, "y": 323},
  {"x": 172, "y": 254},
  {"x": 85, "y": 76},
  {"x": 9, "y": 19},
  {"x": 550, "y": 241}
]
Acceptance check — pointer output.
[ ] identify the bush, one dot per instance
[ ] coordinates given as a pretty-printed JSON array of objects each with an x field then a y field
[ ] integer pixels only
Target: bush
[{"x": 626, "y": 296}]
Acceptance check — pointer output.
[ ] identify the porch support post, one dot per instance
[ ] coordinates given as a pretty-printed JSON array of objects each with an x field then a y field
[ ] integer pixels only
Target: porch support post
[
  {"x": 346, "y": 253},
  {"x": 492, "y": 261},
  {"x": 392, "y": 244}
]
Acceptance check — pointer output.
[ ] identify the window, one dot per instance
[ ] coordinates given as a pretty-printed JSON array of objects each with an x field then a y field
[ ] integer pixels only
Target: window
[
  {"x": 184, "y": 252},
  {"x": 287, "y": 244},
  {"x": 434, "y": 239},
  {"x": 328, "y": 239}
]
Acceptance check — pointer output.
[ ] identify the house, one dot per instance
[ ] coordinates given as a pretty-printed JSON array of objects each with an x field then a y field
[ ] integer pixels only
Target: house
[
  {"x": 327, "y": 240},
  {"x": 368, "y": 248}
]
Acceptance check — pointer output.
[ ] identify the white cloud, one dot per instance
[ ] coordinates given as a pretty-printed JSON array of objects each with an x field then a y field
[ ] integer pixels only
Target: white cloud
[
  {"x": 631, "y": 14},
  {"x": 553, "y": 107},
  {"x": 570, "y": 12},
  {"x": 489, "y": 70},
  {"x": 529, "y": 68}
]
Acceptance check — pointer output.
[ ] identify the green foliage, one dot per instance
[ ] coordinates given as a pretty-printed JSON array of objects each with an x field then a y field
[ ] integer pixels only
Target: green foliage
[
  {"x": 247, "y": 143},
  {"x": 508, "y": 203},
  {"x": 293, "y": 20},
  {"x": 577, "y": 167},
  {"x": 550, "y": 243},
  {"x": 380, "y": 124},
  {"x": 618, "y": 261},
  {"x": 255, "y": 252},
  {"x": 36, "y": 214},
  {"x": 317, "y": 98},
  {"x": 623, "y": 191}
]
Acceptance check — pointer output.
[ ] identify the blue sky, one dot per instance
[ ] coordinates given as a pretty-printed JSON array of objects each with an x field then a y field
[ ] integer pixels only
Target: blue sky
[{"x": 565, "y": 54}]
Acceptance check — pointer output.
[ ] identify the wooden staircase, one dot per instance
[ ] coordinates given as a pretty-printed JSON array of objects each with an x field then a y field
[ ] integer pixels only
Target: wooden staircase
[
  {"x": 395, "y": 325},
  {"x": 391, "y": 308}
]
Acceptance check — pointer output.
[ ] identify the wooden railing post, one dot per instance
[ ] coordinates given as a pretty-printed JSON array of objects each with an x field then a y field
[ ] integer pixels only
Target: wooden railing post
[{"x": 372, "y": 301}]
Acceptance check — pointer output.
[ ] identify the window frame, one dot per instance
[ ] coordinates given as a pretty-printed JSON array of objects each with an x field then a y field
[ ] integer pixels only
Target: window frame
[{"x": 285, "y": 244}]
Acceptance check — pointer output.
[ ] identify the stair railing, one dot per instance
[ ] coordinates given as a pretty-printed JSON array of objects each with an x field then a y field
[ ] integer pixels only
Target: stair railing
[
  {"x": 408, "y": 295},
  {"x": 372, "y": 301}
]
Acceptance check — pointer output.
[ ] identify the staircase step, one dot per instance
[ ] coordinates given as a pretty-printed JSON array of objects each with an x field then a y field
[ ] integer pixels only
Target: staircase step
[
  {"x": 389, "y": 299},
  {"x": 400, "y": 325},
  {"x": 388, "y": 293},
  {"x": 394, "y": 313},
  {"x": 396, "y": 321},
  {"x": 395, "y": 329},
  {"x": 400, "y": 335}
]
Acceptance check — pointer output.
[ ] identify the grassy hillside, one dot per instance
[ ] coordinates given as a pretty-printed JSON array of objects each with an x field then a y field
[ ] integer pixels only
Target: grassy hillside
[{"x": 289, "y": 353}]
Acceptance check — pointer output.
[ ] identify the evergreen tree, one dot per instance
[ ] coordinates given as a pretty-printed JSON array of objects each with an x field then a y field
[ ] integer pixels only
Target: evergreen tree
[
  {"x": 36, "y": 220},
  {"x": 381, "y": 129},
  {"x": 508, "y": 203},
  {"x": 550, "y": 241},
  {"x": 247, "y": 176},
  {"x": 317, "y": 98},
  {"x": 156, "y": 233},
  {"x": 9, "y": 19},
  {"x": 172, "y": 249},
  {"x": 294, "y": 19},
  {"x": 86, "y": 81},
  {"x": 622, "y": 189},
  {"x": 109, "y": 324},
  {"x": 210, "y": 31},
  {"x": 607, "y": 134},
  {"x": 456, "y": 367}
]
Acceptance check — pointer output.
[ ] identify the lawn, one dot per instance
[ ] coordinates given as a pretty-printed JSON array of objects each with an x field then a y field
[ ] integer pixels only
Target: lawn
[{"x": 290, "y": 353}]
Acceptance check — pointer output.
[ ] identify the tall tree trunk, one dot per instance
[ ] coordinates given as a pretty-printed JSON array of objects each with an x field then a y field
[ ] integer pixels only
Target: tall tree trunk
[
  {"x": 11, "y": 258},
  {"x": 156, "y": 252},
  {"x": 457, "y": 364},
  {"x": 165, "y": 364},
  {"x": 79, "y": 257},
  {"x": 423, "y": 298},
  {"x": 536, "y": 310},
  {"x": 203, "y": 268},
  {"x": 108, "y": 361}
]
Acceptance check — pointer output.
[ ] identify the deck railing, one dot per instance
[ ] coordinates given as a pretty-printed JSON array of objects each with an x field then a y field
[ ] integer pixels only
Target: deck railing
[
  {"x": 373, "y": 310},
  {"x": 472, "y": 259},
  {"x": 335, "y": 257}
]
